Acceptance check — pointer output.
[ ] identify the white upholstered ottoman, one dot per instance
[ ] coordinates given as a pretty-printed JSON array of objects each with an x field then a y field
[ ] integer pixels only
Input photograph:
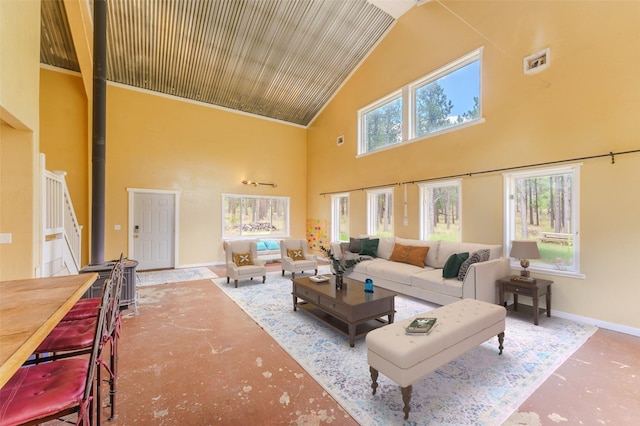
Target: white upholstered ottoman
[{"x": 405, "y": 359}]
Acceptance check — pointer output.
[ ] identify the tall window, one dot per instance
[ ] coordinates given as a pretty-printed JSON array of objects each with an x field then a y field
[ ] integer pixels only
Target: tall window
[
  {"x": 543, "y": 205},
  {"x": 340, "y": 217},
  {"x": 380, "y": 212},
  {"x": 440, "y": 210},
  {"x": 250, "y": 216},
  {"x": 447, "y": 98}
]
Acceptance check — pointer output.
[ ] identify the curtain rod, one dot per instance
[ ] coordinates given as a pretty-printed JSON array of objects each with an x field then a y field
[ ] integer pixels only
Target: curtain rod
[{"x": 504, "y": 169}]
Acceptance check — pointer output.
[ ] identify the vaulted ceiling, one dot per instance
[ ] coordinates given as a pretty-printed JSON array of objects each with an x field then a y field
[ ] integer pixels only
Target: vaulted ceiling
[{"x": 282, "y": 59}]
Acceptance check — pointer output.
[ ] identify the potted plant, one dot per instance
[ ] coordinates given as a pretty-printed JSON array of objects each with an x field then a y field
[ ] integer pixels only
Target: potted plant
[{"x": 341, "y": 264}]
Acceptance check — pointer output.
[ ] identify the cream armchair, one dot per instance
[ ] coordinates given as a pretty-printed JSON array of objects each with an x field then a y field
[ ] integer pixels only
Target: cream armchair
[
  {"x": 295, "y": 257},
  {"x": 242, "y": 261}
]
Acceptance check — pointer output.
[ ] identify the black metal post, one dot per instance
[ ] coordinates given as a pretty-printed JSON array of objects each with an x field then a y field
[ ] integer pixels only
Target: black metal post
[{"x": 98, "y": 152}]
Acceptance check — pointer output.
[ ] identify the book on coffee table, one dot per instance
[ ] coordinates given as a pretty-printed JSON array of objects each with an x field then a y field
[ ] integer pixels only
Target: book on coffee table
[
  {"x": 421, "y": 326},
  {"x": 319, "y": 278}
]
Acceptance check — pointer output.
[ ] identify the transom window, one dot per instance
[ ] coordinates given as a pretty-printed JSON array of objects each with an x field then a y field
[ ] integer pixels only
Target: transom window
[
  {"x": 340, "y": 217},
  {"x": 250, "y": 216},
  {"x": 445, "y": 99},
  {"x": 380, "y": 212},
  {"x": 543, "y": 205},
  {"x": 440, "y": 211}
]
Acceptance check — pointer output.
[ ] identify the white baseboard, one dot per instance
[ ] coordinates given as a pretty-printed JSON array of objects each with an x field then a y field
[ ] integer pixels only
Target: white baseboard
[
  {"x": 598, "y": 323},
  {"x": 591, "y": 321}
]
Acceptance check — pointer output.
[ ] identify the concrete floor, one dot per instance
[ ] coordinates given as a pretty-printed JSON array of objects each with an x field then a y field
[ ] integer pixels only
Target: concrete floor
[{"x": 234, "y": 373}]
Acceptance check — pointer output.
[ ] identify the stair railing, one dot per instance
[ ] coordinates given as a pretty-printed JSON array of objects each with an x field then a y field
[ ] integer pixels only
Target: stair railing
[{"x": 59, "y": 215}]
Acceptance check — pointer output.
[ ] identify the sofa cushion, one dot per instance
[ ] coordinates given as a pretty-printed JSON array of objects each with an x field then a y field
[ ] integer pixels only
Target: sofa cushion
[
  {"x": 363, "y": 267},
  {"x": 432, "y": 254},
  {"x": 243, "y": 258},
  {"x": 476, "y": 256},
  {"x": 261, "y": 245},
  {"x": 413, "y": 255},
  {"x": 431, "y": 279},
  {"x": 272, "y": 245},
  {"x": 369, "y": 247},
  {"x": 453, "y": 264},
  {"x": 385, "y": 247},
  {"x": 392, "y": 271}
]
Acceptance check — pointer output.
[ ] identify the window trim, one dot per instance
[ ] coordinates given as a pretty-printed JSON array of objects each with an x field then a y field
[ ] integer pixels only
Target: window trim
[
  {"x": 335, "y": 215},
  {"x": 422, "y": 189},
  {"x": 509, "y": 215},
  {"x": 407, "y": 93},
  {"x": 371, "y": 218},
  {"x": 283, "y": 234}
]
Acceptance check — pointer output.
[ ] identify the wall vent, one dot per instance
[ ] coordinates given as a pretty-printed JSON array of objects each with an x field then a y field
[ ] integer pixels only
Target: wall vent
[{"x": 536, "y": 62}]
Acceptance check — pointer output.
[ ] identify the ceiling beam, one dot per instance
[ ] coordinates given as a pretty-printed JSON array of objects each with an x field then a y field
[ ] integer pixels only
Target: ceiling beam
[{"x": 81, "y": 27}]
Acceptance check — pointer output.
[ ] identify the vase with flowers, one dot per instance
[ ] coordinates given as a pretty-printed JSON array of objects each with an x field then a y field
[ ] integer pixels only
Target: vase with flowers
[{"x": 340, "y": 264}]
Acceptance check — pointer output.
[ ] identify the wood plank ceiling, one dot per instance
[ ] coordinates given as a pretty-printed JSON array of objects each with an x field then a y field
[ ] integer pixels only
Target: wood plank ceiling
[{"x": 281, "y": 59}]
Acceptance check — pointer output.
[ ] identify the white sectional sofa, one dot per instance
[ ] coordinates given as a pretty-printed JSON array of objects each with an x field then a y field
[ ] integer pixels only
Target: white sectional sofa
[{"x": 427, "y": 282}]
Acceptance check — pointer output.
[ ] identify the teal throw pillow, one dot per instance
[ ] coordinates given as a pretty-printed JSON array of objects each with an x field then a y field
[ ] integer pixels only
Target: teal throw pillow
[
  {"x": 261, "y": 245},
  {"x": 272, "y": 245},
  {"x": 452, "y": 267},
  {"x": 369, "y": 247}
]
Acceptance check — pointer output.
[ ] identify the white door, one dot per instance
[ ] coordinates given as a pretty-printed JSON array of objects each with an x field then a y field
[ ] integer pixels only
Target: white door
[{"x": 154, "y": 230}]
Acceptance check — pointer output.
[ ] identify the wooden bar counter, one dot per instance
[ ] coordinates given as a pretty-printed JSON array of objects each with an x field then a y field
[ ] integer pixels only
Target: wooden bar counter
[{"x": 29, "y": 310}]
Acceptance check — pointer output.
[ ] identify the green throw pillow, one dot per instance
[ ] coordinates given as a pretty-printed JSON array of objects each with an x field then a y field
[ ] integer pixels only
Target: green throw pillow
[
  {"x": 452, "y": 267},
  {"x": 369, "y": 247}
]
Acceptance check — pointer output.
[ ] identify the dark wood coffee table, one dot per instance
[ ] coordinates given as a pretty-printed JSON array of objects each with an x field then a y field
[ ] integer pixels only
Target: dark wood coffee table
[{"x": 360, "y": 312}]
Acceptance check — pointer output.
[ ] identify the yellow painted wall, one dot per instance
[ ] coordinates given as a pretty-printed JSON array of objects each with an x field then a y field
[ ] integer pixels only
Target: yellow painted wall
[
  {"x": 19, "y": 159},
  {"x": 65, "y": 139},
  {"x": 160, "y": 143},
  {"x": 586, "y": 103}
]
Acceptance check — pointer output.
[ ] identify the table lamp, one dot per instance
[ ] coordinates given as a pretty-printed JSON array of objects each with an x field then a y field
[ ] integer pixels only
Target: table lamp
[{"x": 524, "y": 250}]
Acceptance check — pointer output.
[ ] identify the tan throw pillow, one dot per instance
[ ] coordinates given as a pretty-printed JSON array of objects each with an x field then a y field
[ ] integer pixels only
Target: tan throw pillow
[
  {"x": 242, "y": 259},
  {"x": 416, "y": 255},
  {"x": 413, "y": 255},
  {"x": 295, "y": 254},
  {"x": 399, "y": 253}
]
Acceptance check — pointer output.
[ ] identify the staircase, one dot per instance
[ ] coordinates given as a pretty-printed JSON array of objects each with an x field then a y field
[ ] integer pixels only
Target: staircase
[{"x": 62, "y": 246}]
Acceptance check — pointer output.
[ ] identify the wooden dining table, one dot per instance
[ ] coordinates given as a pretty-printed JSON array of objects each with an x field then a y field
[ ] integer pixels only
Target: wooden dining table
[{"x": 29, "y": 310}]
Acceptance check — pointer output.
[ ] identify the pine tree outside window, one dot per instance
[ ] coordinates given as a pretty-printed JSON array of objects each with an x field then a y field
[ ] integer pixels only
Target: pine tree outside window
[
  {"x": 254, "y": 216},
  {"x": 543, "y": 205}
]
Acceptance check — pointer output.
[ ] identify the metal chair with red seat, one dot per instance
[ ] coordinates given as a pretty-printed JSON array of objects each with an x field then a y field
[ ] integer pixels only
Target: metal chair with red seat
[
  {"x": 72, "y": 338},
  {"x": 42, "y": 392}
]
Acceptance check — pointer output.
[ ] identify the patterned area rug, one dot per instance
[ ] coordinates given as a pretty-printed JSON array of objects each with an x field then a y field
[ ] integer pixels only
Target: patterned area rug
[
  {"x": 173, "y": 276},
  {"x": 478, "y": 388}
]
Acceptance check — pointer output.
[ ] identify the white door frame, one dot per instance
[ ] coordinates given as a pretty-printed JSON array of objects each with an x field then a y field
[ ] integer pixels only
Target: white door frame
[{"x": 176, "y": 205}]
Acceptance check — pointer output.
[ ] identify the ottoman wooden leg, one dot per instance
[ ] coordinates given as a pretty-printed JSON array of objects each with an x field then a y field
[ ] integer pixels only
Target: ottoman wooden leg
[
  {"x": 501, "y": 341},
  {"x": 374, "y": 379},
  {"x": 406, "y": 398}
]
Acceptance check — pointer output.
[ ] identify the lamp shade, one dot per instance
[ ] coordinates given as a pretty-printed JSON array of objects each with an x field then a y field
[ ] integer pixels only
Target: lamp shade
[{"x": 524, "y": 249}]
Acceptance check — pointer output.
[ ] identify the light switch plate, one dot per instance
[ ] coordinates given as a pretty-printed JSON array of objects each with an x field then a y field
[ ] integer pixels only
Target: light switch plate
[{"x": 5, "y": 238}]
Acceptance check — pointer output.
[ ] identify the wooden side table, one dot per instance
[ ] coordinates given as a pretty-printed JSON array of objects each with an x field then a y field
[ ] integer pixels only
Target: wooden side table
[{"x": 534, "y": 289}]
